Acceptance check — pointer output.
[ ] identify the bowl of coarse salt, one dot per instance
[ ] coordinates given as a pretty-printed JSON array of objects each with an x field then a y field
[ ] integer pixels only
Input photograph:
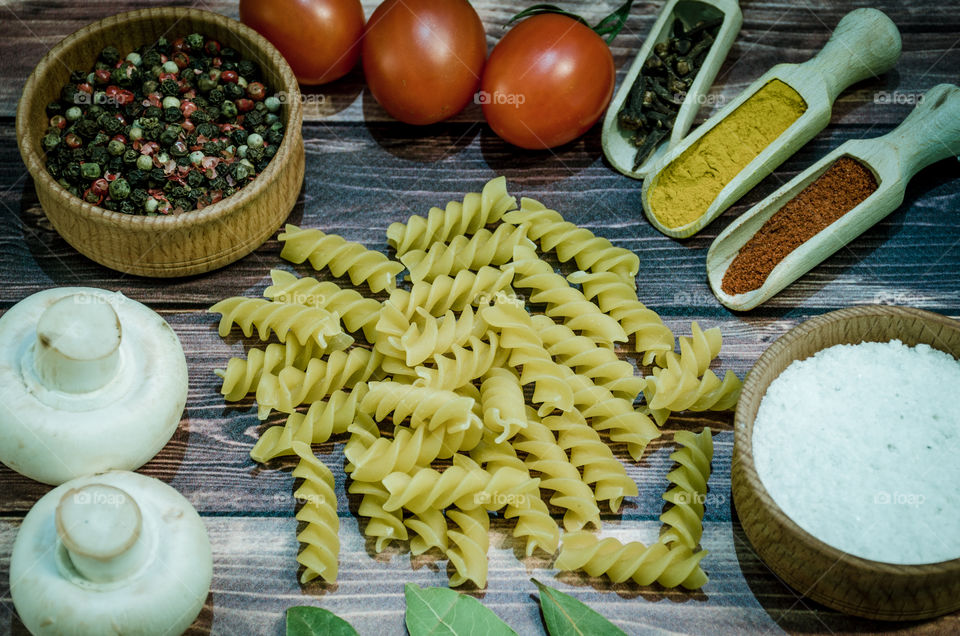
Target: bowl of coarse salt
[{"x": 845, "y": 470}]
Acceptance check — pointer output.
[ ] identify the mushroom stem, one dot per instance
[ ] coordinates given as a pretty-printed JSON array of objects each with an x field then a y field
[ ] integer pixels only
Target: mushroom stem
[
  {"x": 100, "y": 526},
  {"x": 78, "y": 344}
]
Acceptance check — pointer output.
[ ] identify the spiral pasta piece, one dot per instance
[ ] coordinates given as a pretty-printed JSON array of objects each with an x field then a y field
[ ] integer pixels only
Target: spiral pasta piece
[
  {"x": 483, "y": 248},
  {"x": 612, "y": 414},
  {"x": 563, "y": 301},
  {"x": 445, "y": 293},
  {"x": 382, "y": 525},
  {"x": 503, "y": 403},
  {"x": 517, "y": 333},
  {"x": 534, "y": 522},
  {"x": 571, "y": 494},
  {"x": 619, "y": 300},
  {"x": 469, "y": 541},
  {"x": 357, "y": 313},
  {"x": 464, "y": 485},
  {"x": 409, "y": 449},
  {"x": 568, "y": 240},
  {"x": 465, "y": 366},
  {"x": 242, "y": 375},
  {"x": 429, "y": 530},
  {"x": 291, "y": 387},
  {"x": 684, "y": 520},
  {"x": 307, "y": 324},
  {"x": 320, "y": 549},
  {"x": 677, "y": 387},
  {"x": 321, "y": 421},
  {"x": 340, "y": 256},
  {"x": 669, "y": 566},
  {"x": 583, "y": 356},
  {"x": 433, "y": 408},
  {"x": 598, "y": 466},
  {"x": 476, "y": 211},
  {"x": 438, "y": 335}
]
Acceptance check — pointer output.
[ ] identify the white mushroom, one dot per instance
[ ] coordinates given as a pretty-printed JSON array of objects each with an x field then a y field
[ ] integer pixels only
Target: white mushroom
[
  {"x": 114, "y": 553},
  {"x": 89, "y": 381}
]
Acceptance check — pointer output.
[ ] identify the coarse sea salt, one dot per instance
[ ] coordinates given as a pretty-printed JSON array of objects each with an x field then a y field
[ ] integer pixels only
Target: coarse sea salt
[{"x": 860, "y": 446}]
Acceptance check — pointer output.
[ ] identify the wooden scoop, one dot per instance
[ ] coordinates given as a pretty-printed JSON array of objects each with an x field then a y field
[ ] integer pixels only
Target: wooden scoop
[
  {"x": 930, "y": 133},
  {"x": 865, "y": 43},
  {"x": 620, "y": 152}
]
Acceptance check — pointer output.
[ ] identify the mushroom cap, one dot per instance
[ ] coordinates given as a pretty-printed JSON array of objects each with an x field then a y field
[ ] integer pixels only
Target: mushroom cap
[
  {"x": 164, "y": 595},
  {"x": 54, "y": 435}
]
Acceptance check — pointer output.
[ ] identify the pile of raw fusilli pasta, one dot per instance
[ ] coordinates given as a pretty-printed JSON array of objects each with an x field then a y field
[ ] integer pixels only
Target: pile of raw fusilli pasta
[{"x": 515, "y": 405}]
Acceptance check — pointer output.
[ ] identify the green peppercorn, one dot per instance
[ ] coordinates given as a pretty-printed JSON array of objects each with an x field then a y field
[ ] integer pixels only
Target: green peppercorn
[
  {"x": 205, "y": 84},
  {"x": 194, "y": 41},
  {"x": 241, "y": 172},
  {"x": 170, "y": 102},
  {"x": 196, "y": 157},
  {"x": 116, "y": 147},
  {"x": 90, "y": 171},
  {"x": 134, "y": 58},
  {"x": 144, "y": 162},
  {"x": 172, "y": 114},
  {"x": 150, "y": 205},
  {"x": 254, "y": 140},
  {"x": 170, "y": 67},
  {"x": 51, "y": 141},
  {"x": 179, "y": 149},
  {"x": 228, "y": 110},
  {"x": 73, "y": 113},
  {"x": 119, "y": 189},
  {"x": 110, "y": 55},
  {"x": 272, "y": 103}
]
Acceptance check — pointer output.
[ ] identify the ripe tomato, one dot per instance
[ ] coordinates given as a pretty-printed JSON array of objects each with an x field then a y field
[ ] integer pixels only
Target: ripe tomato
[
  {"x": 320, "y": 39},
  {"x": 547, "y": 82},
  {"x": 423, "y": 58}
]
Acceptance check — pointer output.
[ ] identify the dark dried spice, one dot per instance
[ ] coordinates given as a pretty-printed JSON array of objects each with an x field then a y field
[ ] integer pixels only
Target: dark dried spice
[{"x": 657, "y": 94}]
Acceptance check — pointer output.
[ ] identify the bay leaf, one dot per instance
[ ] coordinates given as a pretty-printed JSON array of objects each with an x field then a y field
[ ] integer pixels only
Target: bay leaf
[
  {"x": 440, "y": 611},
  {"x": 304, "y": 620},
  {"x": 566, "y": 616}
]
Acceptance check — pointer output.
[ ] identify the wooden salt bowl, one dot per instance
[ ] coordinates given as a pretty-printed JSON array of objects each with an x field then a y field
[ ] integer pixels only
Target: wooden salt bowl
[
  {"x": 164, "y": 246},
  {"x": 850, "y": 584}
]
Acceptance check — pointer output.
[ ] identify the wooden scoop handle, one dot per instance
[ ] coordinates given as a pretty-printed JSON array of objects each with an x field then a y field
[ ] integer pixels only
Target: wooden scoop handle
[
  {"x": 931, "y": 132},
  {"x": 865, "y": 44}
]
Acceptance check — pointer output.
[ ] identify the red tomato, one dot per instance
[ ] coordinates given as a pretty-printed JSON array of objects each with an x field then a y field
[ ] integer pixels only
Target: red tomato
[
  {"x": 320, "y": 39},
  {"x": 547, "y": 82},
  {"x": 423, "y": 58}
]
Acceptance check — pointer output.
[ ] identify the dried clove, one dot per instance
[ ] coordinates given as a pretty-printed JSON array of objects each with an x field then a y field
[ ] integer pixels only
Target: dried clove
[{"x": 654, "y": 100}]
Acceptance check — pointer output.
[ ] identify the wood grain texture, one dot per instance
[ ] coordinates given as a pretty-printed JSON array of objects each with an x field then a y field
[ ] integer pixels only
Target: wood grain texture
[
  {"x": 845, "y": 582},
  {"x": 364, "y": 172}
]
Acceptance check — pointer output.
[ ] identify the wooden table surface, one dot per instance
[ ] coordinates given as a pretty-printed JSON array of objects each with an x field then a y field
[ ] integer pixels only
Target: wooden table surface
[{"x": 365, "y": 171}]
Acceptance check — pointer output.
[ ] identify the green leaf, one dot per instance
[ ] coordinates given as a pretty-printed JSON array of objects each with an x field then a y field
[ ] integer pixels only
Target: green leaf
[
  {"x": 304, "y": 620},
  {"x": 608, "y": 28},
  {"x": 442, "y": 611},
  {"x": 566, "y": 616}
]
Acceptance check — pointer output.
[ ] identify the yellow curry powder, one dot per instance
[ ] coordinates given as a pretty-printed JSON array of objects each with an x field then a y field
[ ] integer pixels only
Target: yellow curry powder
[{"x": 689, "y": 184}]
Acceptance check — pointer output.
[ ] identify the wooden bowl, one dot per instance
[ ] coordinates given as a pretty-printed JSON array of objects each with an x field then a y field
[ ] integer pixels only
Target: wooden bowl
[
  {"x": 163, "y": 246},
  {"x": 834, "y": 578}
]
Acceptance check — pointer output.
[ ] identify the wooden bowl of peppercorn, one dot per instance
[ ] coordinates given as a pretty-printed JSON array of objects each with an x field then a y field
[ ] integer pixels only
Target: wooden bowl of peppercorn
[{"x": 142, "y": 239}]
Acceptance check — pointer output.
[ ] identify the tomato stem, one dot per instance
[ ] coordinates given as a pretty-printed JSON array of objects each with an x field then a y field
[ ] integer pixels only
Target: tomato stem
[{"x": 607, "y": 28}]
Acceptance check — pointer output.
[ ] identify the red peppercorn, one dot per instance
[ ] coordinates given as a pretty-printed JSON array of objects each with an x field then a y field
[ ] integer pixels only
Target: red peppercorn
[
  {"x": 111, "y": 91},
  {"x": 181, "y": 59},
  {"x": 244, "y": 105},
  {"x": 217, "y": 62},
  {"x": 100, "y": 186},
  {"x": 230, "y": 77},
  {"x": 180, "y": 45},
  {"x": 85, "y": 87},
  {"x": 187, "y": 126},
  {"x": 187, "y": 108},
  {"x": 124, "y": 97},
  {"x": 149, "y": 148},
  {"x": 120, "y": 118},
  {"x": 72, "y": 140},
  {"x": 167, "y": 76},
  {"x": 102, "y": 75},
  {"x": 58, "y": 121},
  {"x": 212, "y": 47},
  {"x": 155, "y": 99},
  {"x": 121, "y": 138},
  {"x": 256, "y": 91}
]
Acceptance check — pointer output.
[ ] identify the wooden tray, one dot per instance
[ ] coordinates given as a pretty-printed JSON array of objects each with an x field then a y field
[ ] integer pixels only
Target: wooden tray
[
  {"x": 163, "y": 246},
  {"x": 847, "y": 583}
]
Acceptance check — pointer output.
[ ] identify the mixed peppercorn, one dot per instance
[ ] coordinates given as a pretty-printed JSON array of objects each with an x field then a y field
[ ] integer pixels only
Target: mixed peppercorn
[{"x": 172, "y": 127}]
